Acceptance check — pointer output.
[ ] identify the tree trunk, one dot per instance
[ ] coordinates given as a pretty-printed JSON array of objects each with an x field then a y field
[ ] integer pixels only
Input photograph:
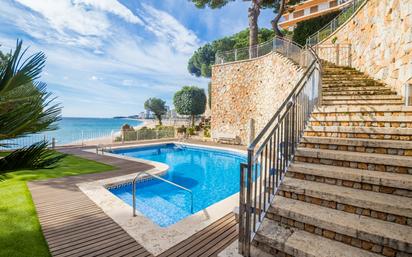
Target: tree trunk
[
  {"x": 275, "y": 21},
  {"x": 193, "y": 120},
  {"x": 253, "y": 16},
  {"x": 159, "y": 118}
]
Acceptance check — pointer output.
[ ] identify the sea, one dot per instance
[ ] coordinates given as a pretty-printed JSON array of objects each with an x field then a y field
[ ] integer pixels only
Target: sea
[{"x": 76, "y": 129}]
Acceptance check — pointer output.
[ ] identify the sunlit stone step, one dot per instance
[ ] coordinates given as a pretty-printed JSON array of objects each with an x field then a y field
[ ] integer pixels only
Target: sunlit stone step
[
  {"x": 273, "y": 237},
  {"x": 381, "y": 182},
  {"x": 393, "y": 147},
  {"x": 353, "y": 229},
  {"x": 369, "y": 158},
  {"x": 362, "y": 102},
  {"x": 344, "y": 92},
  {"x": 366, "y": 110},
  {"x": 359, "y": 199},
  {"x": 362, "y": 97}
]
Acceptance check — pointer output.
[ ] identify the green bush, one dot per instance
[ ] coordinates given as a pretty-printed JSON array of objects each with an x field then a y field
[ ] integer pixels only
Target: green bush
[
  {"x": 148, "y": 133},
  {"x": 181, "y": 130},
  {"x": 206, "y": 132},
  {"x": 191, "y": 131},
  {"x": 304, "y": 29}
]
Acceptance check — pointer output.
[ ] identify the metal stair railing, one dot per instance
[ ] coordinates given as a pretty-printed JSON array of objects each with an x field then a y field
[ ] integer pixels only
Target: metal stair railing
[
  {"x": 271, "y": 152},
  {"x": 334, "y": 24},
  {"x": 280, "y": 45}
]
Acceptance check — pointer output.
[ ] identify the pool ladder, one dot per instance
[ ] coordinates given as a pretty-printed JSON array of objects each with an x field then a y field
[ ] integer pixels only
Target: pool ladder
[{"x": 162, "y": 179}]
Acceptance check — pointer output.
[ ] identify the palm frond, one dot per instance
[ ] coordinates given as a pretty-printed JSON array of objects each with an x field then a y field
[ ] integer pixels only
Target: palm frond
[
  {"x": 35, "y": 156},
  {"x": 25, "y": 105},
  {"x": 18, "y": 72}
]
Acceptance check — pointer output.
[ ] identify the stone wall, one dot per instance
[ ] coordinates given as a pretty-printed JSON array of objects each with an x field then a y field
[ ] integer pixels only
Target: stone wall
[
  {"x": 249, "y": 89},
  {"x": 380, "y": 34}
]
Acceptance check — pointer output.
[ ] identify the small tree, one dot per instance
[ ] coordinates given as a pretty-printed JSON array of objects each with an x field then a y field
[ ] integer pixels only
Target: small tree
[
  {"x": 190, "y": 101},
  {"x": 157, "y": 106}
]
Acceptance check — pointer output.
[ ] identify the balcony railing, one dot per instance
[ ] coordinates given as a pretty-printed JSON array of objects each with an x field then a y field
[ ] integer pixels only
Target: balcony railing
[
  {"x": 333, "y": 25},
  {"x": 279, "y": 45}
]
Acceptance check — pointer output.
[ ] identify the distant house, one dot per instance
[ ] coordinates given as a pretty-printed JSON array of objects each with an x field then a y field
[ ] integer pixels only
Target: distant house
[{"x": 310, "y": 9}]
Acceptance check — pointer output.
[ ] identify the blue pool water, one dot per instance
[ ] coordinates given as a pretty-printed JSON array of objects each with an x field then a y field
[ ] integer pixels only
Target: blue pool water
[{"x": 212, "y": 175}]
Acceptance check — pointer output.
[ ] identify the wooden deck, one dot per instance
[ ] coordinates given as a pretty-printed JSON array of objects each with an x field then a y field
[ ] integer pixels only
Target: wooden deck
[{"x": 74, "y": 226}]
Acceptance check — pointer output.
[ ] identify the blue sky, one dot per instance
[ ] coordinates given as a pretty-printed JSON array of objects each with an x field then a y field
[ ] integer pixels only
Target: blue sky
[{"x": 106, "y": 57}]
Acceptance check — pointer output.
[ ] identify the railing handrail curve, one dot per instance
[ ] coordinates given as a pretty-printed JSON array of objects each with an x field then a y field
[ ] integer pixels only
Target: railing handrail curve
[
  {"x": 260, "y": 44},
  {"x": 255, "y": 51},
  {"x": 351, "y": 4},
  {"x": 140, "y": 174},
  {"x": 273, "y": 149},
  {"x": 280, "y": 110}
]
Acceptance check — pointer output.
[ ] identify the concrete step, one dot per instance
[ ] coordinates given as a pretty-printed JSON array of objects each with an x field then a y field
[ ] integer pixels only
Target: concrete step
[
  {"x": 370, "y": 110},
  {"x": 363, "y": 118},
  {"x": 360, "y": 132},
  {"x": 381, "y": 182},
  {"x": 362, "y": 97},
  {"x": 394, "y": 208},
  {"x": 363, "y": 121},
  {"x": 364, "y": 161},
  {"x": 392, "y": 147},
  {"x": 328, "y": 83},
  {"x": 362, "y": 102},
  {"x": 356, "y": 89},
  {"x": 356, "y": 93},
  {"x": 353, "y": 229},
  {"x": 275, "y": 238}
]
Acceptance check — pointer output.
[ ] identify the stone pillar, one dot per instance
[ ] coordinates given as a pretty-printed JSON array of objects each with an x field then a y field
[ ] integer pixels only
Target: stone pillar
[
  {"x": 408, "y": 94},
  {"x": 251, "y": 131}
]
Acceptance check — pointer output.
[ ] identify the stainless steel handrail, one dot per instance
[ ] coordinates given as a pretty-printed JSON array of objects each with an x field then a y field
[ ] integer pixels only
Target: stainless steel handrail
[
  {"x": 284, "y": 46},
  {"x": 348, "y": 10},
  {"x": 162, "y": 179},
  {"x": 272, "y": 151}
]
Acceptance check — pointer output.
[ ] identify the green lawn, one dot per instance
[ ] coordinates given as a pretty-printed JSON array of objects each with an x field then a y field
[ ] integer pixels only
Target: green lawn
[{"x": 20, "y": 232}]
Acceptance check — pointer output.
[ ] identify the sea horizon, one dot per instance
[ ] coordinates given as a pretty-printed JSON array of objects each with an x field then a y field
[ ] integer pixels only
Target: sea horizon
[{"x": 76, "y": 129}]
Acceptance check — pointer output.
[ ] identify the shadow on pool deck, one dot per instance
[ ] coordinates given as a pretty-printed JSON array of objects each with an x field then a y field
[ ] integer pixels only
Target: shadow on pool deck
[{"x": 74, "y": 226}]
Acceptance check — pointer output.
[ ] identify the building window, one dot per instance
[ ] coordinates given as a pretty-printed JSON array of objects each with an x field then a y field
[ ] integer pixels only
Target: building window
[
  {"x": 298, "y": 14},
  {"x": 314, "y": 9},
  {"x": 333, "y": 3}
]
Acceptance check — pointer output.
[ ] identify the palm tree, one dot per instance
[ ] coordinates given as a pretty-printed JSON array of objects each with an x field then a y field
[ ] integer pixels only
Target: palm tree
[{"x": 25, "y": 107}]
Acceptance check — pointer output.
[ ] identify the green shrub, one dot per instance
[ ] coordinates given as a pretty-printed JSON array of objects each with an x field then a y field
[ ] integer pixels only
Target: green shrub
[
  {"x": 181, "y": 130},
  {"x": 304, "y": 29},
  {"x": 206, "y": 132},
  {"x": 190, "y": 131},
  {"x": 148, "y": 133}
]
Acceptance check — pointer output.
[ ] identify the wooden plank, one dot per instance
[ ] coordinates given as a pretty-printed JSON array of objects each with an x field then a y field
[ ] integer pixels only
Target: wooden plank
[
  {"x": 195, "y": 238},
  {"x": 88, "y": 243},
  {"x": 206, "y": 243},
  {"x": 78, "y": 238},
  {"x": 74, "y": 226},
  {"x": 219, "y": 242},
  {"x": 201, "y": 238}
]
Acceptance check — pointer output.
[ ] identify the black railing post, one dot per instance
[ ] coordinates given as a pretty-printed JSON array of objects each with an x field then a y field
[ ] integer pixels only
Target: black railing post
[
  {"x": 242, "y": 204},
  {"x": 248, "y": 207}
]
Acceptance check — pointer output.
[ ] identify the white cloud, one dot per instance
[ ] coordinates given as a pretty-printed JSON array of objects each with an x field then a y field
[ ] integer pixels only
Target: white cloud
[
  {"x": 167, "y": 28},
  {"x": 63, "y": 15},
  {"x": 116, "y": 67},
  {"x": 112, "y": 6}
]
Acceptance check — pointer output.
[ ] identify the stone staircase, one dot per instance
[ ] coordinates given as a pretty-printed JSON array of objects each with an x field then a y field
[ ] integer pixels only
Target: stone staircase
[{"x": 348, "y": 191}]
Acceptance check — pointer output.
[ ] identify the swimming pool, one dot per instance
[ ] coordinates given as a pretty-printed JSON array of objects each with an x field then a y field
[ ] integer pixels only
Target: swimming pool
[{"x": 211, "y": 174}]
